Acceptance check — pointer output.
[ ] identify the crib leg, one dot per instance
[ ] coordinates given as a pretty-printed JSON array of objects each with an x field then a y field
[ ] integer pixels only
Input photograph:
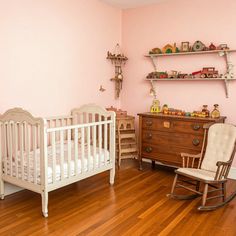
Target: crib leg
[
  {"x": 45, "y": 204},
  {"x": 112, "y": 175},
  {"x": 1, "y": 189}
]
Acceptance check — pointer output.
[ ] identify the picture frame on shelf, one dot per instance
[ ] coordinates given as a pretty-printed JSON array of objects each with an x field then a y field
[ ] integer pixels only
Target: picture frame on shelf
[{"x": 185, "y": 47}]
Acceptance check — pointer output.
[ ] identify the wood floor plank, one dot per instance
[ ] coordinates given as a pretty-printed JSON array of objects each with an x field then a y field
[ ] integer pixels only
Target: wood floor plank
[{"x": 135, "y": 205}]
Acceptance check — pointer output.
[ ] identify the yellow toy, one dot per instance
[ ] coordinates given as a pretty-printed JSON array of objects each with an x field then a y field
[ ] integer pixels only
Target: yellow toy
[{"x": 155, "y": 108}]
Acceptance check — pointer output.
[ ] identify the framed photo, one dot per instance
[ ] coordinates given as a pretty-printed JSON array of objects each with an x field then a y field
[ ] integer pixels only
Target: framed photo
[{"x": 185, "y": 47}]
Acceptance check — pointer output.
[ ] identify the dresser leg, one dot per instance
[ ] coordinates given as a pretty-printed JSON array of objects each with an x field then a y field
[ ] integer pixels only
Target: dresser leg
[
  {"x": 153, "y": 164},
  {"x": 140, "y": 164}
]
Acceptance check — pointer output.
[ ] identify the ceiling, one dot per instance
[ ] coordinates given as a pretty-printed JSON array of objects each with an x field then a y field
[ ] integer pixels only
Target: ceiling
[{"x": 124, "y": 4}]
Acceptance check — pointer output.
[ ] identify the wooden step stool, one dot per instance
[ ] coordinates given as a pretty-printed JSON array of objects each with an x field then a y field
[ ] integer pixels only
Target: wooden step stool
[{"x": 126, "y": 138}]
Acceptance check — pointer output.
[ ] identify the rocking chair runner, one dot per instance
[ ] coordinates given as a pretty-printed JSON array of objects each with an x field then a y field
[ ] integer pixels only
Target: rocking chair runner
[{"x": 213, "y": 170}]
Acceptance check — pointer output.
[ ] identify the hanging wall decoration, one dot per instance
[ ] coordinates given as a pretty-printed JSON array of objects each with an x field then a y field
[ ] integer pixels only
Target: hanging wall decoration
[{"x": 118, "y": 59}]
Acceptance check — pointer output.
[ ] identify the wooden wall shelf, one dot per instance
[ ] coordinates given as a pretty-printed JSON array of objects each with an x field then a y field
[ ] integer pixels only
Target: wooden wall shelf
[{"x": 227, "y": 77}]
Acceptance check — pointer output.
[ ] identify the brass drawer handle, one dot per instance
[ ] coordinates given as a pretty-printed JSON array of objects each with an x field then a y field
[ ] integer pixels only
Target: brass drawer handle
[
  {"x": 148, "y": 149},
  {"x": 149, "y": 136},
  {"x": 196, "y": 127},
  {"x": 195, "y": 142},
  {"x": 149, "y": 123}
]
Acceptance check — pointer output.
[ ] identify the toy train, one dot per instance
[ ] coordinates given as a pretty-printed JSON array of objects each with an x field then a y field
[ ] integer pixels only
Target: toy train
[{"x": 205, "y": 73}]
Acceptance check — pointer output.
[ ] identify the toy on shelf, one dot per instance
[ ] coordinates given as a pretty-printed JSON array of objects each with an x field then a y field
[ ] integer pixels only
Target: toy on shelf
[
  {"x": 212, "y": 47},
  {"x": 215, "y": 113},
  {"x": 170, "y": 49},
  {"x": 209, "y": 72},
  {"x": 198, "y": 46},
  {"x": 119, "y": 60},
  {"x": 157, "y": 75},
  {"x": 155, "y": 51},
  {"x": 223, "y": 47}
]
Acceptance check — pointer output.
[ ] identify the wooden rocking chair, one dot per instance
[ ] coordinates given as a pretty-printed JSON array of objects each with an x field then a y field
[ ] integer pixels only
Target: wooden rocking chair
[{"x": 212, "y": 170}]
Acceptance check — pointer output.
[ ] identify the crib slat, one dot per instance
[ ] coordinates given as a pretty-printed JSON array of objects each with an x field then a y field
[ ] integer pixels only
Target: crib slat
[
  {"x": 89, "y": 147},
  {"x": 38, "y": 136},
  {"x": 27, "y": 150},
  {"x": 1, "y": 151},
  {"x": 22, "y": 150},
  {"x": 105, "y": 141},
  {"x": 69, "y": 152},
  {"x": 5, "y": 147},
  {"x": 76, "y": 143},
  {"x": 9, "y": 132},
  {"x": 53, "y": 136},
  {"x": 82, "y": 150},
  {"x": 100, "y": 141},
  {"x": 94, "y": 142},
  {"x": 34, "y": 140},
  {"x": 62, "y": 154},
  {"x": 16, "y": 148},
  {"x": 110, "y": 140}
]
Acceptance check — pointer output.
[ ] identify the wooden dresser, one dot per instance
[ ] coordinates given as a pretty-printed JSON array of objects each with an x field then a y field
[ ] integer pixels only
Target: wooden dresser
[{"x": 163, "y": 137}]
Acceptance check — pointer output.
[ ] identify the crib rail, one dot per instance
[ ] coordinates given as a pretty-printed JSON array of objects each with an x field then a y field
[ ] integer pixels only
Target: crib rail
[{"x": 85, "y": 147}]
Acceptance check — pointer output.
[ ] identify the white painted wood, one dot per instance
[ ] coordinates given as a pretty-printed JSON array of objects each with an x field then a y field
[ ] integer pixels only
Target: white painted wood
[
  {"x": 53, "y": 136},
  {"x": 35, "y": 133},
  {"x": 22, "y": 150},
  {"x": 100, "y": 142},
  {"x": 62, "y": 153},
  {"x": 1, "y": 166},
  {"x": 82, "y": 149},
  {"x": 69, "y": 152},
  {"x": 76, "y": 143},
  {"x": 94, "y": 138},
  {"x": 89, "y": 148},
  {"x": 10, "y": 145},
  {"x": 34, "y": 141},
  {"x": 105, "y": 140}
]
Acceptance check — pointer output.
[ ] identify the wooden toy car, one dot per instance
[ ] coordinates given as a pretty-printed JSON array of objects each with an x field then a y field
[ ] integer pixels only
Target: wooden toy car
[{"x": 209, "y": 72}]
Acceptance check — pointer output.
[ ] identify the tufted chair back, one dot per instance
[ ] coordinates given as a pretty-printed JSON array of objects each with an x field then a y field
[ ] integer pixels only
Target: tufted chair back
[{"x": 220, "y": 145}]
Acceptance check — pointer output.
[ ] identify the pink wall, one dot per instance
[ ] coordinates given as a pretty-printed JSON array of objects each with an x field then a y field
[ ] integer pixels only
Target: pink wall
[
  {"x": 175, "y": 21},
  {"x": 53, "y": 54}
]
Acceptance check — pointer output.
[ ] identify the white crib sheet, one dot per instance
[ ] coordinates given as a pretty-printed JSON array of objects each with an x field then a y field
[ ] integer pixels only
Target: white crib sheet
[{"x": 88, "y": 163}]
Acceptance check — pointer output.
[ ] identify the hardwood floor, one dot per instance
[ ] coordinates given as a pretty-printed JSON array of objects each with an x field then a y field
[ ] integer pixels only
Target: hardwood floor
[{"x": 135, "y": 205}]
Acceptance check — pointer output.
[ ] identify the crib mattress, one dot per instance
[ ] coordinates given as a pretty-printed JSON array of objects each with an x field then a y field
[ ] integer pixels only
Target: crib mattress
[{"x": 89, "y": 162}]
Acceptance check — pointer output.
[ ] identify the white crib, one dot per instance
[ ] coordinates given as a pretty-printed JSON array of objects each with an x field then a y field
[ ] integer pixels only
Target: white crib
[{"x": 46, "y": 154}]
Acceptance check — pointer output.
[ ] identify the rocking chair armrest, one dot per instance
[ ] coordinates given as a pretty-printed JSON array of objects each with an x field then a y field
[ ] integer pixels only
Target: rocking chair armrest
[
  {"x": 222, "y": 169},
  {"x": 188, "y": 160}
]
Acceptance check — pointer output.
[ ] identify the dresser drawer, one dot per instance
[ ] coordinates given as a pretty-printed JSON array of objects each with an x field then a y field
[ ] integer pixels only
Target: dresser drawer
[
  {"x": 189, "y": 141},
  {"x": 171, "y": 125},
  {"x": 167, "y": 154}
]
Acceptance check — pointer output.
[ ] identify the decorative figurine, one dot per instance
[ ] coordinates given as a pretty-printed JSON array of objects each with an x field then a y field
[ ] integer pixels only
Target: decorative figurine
[
  {"x": 185, "y": 47},
  {"x": 118, "y": 59},
  {"x": 223, "y": 47},
  {"x": 170, "y": 49},
  {"x": 212, "y": 47},
  {"x": 198, "y": 46},
  {"x": 215, "y": 113},
  {"x": 205, "y": 111},
  {"x": 165, "y": 109},
  {"x": 155, "y": 51},
  {"x": 209, "y": 72},
  {"x": 155, "y": 108},
  {"x": 157, "y": 75},
  {"x": 173, "y": 74}
]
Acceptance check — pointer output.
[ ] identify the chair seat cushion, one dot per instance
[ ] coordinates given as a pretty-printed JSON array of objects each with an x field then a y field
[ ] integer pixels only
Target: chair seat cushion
[{"x": 198, "y": 173}]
